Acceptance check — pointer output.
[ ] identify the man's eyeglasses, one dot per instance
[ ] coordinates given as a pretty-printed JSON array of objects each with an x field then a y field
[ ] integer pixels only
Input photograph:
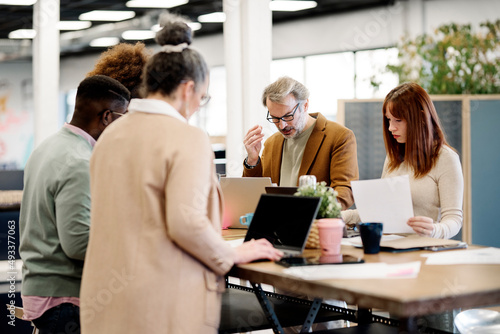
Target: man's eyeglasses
[{"x": 286, "y": 118}]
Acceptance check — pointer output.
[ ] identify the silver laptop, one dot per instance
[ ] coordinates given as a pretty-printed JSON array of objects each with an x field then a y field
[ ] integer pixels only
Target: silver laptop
[
  {"x": 285, "y": 221},
  {"x": 241, "y": 195}
]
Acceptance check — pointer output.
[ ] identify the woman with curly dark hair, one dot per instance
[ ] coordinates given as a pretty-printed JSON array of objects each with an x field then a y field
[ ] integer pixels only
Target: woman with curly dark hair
[{"x": 124, "y": 62}]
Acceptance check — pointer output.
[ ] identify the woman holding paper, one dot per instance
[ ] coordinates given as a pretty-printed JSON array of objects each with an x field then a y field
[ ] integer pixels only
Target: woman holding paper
[{"x": 416, "y": 146}]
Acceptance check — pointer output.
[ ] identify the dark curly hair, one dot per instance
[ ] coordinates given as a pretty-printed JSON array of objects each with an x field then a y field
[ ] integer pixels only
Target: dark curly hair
[{"x": 124, "y": 62}]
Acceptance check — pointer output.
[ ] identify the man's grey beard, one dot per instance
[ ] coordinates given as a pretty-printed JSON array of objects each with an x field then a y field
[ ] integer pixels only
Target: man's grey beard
[{"x": 299, "y": 128}]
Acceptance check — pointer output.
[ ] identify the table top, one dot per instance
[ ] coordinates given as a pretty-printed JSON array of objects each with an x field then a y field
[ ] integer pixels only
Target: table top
[
  {"x": 234, "y": 233},
  {"x": 437, "y": 288},
  {"x": 10, "y": 200}
]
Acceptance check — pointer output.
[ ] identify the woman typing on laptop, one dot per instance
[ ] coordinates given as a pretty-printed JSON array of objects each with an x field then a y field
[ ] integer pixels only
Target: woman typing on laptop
[{"x": 156, "y": 259}]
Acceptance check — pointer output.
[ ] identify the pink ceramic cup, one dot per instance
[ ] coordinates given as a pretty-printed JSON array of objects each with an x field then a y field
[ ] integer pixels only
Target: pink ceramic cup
[{"x": 330, "y": 235}]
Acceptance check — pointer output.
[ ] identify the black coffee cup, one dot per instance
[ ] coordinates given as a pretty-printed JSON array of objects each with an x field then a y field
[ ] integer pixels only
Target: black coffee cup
[{"x": 370, "y": 233}]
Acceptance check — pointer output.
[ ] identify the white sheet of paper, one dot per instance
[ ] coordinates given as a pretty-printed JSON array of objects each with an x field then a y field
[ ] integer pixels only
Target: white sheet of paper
[
  {"x": 235, "y": 242},
  {"x": 386, "y": 200},
  {"x": 488, "y": 255},
  {"x": 356, "y": 271},
  {"x": 357, "y": 242}
]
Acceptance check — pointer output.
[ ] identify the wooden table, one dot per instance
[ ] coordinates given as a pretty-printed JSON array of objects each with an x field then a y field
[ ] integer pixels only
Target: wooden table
[
  {"x": 234, "y": 233},
  {"x": 437, "y": 288},
  {"x": 10, "y": 200}
]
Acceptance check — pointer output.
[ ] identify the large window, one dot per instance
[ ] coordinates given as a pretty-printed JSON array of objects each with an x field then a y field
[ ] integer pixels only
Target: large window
[
  {"x": 213, "y": 117},
  {"x": 292, "y": 67},
  {"x": 370, "y": 67},
  {"x": 328, "y": 77}
]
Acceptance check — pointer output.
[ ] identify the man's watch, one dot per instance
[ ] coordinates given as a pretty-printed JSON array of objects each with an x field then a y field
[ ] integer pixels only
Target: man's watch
[{"x": 250, "y": 166}]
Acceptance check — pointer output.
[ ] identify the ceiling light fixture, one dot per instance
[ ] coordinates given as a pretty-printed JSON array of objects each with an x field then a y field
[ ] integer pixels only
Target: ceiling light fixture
[
  {"x": 17, "y": 2},
  {"x": 107, "y": 15},
  {"x": 156, "y": 28},
  {"x": 291, "y": 6},
  {"x": 155, "y": 3},
  {"x": 22, "y": 34},
  {"x": 194, "y": 25},
  {"x": 216, "y": 17},
  {"x": 73, "y": 25},
  {"x": 138, "y": 35},
  {"x": 104, "y": 42}
]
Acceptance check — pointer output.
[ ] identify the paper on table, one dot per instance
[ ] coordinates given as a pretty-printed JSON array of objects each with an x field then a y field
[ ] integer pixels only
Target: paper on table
[
  {"x": 488, "y": 255},
  {"x": 235, "y": 242},
  {"x": 357, "y": 242},
  {"x": 394, "y": 242},
  {"x": 386, "y": 200},
  {"x": 356, "y": 271}
]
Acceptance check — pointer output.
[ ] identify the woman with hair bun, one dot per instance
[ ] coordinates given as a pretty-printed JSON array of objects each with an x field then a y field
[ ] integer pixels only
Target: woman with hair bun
[
  {"x": 156, "y": 259},
  {"x": 416, "y": 146}
]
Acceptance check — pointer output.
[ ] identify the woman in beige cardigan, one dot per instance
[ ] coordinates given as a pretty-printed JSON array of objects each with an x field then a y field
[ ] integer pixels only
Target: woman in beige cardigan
[{"x": 156, "y": 260}]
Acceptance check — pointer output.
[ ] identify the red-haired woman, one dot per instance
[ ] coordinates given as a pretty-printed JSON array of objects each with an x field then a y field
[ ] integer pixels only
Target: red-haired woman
[{"x": 416, "y": 146}]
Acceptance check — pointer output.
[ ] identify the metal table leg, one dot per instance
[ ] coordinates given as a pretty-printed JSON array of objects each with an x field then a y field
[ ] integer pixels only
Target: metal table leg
[
  {"x": 268, "y": 309},
  {"x": 316, "y": 305},
  {"x": 364, "y": 316},
  {"x": 408, "y": 325}
]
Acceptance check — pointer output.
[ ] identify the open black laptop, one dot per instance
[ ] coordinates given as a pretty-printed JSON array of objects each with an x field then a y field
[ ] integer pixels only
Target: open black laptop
[{"x": 285, "y": 221}]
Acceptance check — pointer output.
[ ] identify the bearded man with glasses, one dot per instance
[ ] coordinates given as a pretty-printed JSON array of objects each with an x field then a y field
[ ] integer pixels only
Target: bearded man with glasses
[{"x": 307, "y": 144}]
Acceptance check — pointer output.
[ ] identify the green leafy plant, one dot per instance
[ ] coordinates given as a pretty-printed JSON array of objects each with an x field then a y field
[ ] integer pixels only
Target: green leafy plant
[
  {"x": 455, "y": 60},
  {"x": 329, "y": 207}
]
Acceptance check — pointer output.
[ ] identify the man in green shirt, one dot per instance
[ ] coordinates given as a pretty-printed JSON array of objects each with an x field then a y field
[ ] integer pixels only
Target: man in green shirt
[{"x": 55, "y": 209}]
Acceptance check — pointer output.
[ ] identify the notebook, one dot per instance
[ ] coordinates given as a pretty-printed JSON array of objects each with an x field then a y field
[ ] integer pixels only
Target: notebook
[
  {"x": 241, "y": 195},
  {"x": 284, "y": 220}
]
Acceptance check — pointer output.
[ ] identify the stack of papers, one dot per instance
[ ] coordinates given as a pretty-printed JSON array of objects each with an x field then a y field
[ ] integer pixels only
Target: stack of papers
[{"x": 356, "y": 271}]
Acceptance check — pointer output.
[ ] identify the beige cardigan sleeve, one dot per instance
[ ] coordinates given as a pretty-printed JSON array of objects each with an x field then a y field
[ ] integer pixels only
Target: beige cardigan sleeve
[{"x": 193, "y": 199}]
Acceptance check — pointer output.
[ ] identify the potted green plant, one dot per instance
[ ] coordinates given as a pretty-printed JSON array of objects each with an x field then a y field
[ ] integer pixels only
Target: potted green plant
[{"x": 329, "y": 208}]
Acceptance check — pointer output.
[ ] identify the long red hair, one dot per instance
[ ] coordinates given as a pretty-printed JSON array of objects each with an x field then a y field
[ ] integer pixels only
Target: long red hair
[{"x": 424, "y": 135}]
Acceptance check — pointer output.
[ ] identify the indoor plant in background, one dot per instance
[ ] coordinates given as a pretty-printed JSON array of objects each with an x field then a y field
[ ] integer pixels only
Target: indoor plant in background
[
  {"x": 329, "y": 208},
  {"x": 454, "y": 59}
]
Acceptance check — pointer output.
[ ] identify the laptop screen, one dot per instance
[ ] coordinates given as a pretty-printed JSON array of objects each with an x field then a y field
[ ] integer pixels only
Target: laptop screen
[
  {"x": 241, "y": 195},
  {"x": 284, "y": 220},
  {"x": 281, "y": 190}
]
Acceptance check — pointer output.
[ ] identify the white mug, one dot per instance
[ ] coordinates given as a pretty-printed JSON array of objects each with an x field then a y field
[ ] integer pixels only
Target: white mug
[{"x": 307, "y": 180}]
